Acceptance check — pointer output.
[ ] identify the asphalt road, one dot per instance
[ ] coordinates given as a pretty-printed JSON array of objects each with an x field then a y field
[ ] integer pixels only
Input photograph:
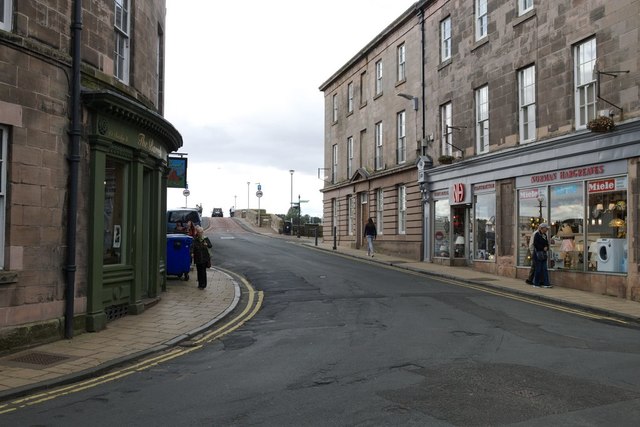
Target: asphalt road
[{"x": 340, "y": 342}]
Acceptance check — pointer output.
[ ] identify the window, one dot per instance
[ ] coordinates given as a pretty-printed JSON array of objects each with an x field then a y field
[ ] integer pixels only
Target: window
[
  {"x": 363, "y": 88},
  {"x": 349, "y": 157},
  {"x": 585, "y": 97},
  {"x": 351, "y": 212},
  {"x": 122, "y": 40},
  {"x": 334, "y": 217},
  {"x": 402, "y": 139},
  {"x": 481, "y": 19},
  {"x": 527, "y": 101},
  {"x": 482, "y": 120},
  {"x": 524, "y": 6},
  {"x": 4, "y": 141},
  {"x": 378, "y": 137},
  {"x": 5, "y": 14},
  {"x": 334, "y": 164},
  {"x": 566, "y": 220},
  {"x": 160, "y": 71},
  {"x": 401, "y": 63},
  {"x": 445, "y": 39},
  {"x": 350, "y": 97},
  {"x": 532, "y": 210},
  {"x": 485, "y": 226},
  {"x": 607, "y": 211},
  {"x": 378, "y": 77},
  {"x": 334, "y": 101},
  {"x": 379, "y": 210},
  {"x": 442, "y": 228},
  {"x": 402, "y": 209},
  {"x": 115, "y": 209},
  {"x": 446, "y": 130}
]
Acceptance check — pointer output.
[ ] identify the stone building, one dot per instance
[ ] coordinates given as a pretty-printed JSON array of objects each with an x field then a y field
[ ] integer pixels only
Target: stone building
[
  {"x": 83, "y": 164},
  {"x": 463, "y": 125}
]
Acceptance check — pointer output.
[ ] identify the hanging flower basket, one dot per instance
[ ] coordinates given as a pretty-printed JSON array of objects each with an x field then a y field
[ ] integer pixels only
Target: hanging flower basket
[
  {"x": 601, "y": 124},
  {"x": 445, "y": 160}
]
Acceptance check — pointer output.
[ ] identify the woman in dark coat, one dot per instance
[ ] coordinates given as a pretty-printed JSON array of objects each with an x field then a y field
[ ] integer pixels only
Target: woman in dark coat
[
  {"x": 201, "y": 256},
  {"x": 540, "y": 256}
]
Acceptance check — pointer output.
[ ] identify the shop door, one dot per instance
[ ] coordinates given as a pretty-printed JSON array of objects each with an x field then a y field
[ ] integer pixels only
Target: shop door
[
  {"x": 459, "y": 218},
  {"x": 360, "y": 219},
  {"x": 145, "y": 256}
]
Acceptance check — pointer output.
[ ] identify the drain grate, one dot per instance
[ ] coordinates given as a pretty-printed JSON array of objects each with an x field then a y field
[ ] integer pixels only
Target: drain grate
[{"x": 39, "y": 358}]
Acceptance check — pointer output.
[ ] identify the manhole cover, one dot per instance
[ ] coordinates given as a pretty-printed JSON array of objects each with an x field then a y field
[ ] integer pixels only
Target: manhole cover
[{"x": 39, "y": 358}]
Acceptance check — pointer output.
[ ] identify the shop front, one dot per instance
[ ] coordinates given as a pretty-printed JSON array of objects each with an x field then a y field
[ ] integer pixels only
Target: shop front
[
  {"x": 126, "y": 243},
  {"x": 587, "y": 210}
]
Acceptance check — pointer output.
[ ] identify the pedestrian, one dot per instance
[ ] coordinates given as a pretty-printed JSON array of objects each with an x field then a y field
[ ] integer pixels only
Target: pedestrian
[
  {"x": 532, "y": 250},
  {"x": 201, "y": 256},
  {"x": 540, "y": 256},
  {"x": 370, "y": 233}
]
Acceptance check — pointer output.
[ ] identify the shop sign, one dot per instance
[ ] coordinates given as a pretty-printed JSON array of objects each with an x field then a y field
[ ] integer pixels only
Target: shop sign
[
  {"x": 487, "y": 187},
  {"x": 604, "y": 185},
  {"x": 572, "y": 174},
  {"x": 458, "y": 194}
]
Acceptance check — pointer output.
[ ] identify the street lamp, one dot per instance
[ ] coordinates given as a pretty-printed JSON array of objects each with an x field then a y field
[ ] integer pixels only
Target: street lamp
[
  {"x": 248, "y": 183},
  {"x": 291, "y": 171},
  {"x": 540, "y": 202}
]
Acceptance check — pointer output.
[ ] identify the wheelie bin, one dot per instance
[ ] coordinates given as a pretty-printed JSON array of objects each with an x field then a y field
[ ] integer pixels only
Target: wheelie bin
[{"x": 179, "y": 255}]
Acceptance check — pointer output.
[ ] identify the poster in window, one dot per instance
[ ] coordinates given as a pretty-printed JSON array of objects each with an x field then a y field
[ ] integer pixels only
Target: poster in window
[
  {"x": 177, "y": 172},
  {"x": 117, "y": 236}
]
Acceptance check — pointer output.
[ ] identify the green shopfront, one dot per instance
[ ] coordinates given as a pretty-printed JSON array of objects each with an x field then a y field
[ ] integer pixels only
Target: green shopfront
[{"x": 126, "y": 238}]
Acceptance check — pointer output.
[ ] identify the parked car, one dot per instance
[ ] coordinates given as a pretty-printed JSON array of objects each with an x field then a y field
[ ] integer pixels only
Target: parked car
[
  {"x": 177, "y": 219},
  {"x": 217, "y": 212}
]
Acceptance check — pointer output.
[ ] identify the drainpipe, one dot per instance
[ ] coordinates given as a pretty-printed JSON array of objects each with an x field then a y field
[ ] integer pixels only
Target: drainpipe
[
  {"x": 74, "y": 160},
  {"x": 424, "y": 187}
]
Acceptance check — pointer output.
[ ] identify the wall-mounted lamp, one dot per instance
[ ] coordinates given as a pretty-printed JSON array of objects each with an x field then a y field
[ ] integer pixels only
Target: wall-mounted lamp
[{"x": 410, "y": 98}]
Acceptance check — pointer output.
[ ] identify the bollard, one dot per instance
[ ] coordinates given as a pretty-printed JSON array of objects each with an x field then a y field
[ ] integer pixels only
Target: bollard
[{"x": 316, "y": 235}]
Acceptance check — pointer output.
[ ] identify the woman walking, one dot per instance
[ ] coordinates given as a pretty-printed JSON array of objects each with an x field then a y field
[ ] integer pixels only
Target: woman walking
[
  {"x": 370, "y": 233},
  {"x": 540, "y": 255}
]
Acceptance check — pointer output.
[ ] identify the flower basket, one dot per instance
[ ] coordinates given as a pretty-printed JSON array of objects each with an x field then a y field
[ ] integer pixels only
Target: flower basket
[
  {"x": 445, "y": 160},
  {"x": 601, "y": 124}
]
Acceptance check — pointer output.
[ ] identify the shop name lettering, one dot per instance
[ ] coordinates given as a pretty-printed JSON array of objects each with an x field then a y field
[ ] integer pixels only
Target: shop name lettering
[
  {"x": 568, "y": 174},
  {"x": 148, "y": 144}
]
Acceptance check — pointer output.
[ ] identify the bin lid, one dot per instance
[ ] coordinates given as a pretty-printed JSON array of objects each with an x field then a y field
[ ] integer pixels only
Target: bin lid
[{"x": 178, "y": 236}]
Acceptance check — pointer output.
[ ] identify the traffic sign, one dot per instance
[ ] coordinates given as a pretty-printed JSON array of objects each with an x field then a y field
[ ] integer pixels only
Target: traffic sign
[
  {"x": 258, "y": 193},
  {"x": 186, "y": 192}
]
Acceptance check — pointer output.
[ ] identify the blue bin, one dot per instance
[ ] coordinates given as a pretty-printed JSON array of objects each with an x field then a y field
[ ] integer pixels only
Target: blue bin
[{"x": 179, "y": 255}]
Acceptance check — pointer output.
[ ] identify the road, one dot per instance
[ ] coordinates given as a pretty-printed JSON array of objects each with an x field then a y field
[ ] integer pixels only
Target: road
[{"x": 341, "y": 341}]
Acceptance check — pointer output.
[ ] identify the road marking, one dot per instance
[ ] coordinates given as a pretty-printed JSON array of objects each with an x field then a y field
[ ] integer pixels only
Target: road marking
[{"x": 255, "y": 300}]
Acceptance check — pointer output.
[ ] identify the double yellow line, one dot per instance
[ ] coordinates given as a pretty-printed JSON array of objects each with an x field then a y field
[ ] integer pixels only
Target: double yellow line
[{"x": 253, "y": 305}]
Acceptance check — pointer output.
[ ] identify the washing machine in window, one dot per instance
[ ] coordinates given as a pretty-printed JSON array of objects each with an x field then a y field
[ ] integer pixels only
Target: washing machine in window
[{"x": 611, "y": 255}]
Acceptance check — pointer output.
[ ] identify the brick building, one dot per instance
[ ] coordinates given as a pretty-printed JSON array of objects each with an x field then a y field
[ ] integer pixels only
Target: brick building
[
  {"x": 462, "y": 125},
  {"x": 83, "y": 164}
]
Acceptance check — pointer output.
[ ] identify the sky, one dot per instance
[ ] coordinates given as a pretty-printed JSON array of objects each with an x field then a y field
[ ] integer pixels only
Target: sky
[{"x": 241, "y": 87}]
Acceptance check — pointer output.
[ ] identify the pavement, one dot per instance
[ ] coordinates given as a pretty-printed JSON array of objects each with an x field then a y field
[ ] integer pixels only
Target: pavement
[{"x": 184, "y": 312}]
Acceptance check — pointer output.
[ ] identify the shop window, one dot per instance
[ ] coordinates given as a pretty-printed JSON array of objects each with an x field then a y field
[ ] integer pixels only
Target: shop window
[
  {"x": 606, "y": 238},
  {"x": 442, "y": 228},
  {"x": 566, "y": 223},
  {"x": 531, "y": 212},
  {"x": 114, "y": 212},
  {"x": 485, "y": 227}
]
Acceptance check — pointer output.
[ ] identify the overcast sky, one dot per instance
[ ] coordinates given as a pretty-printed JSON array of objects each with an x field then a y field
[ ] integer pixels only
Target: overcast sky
[{"x": 242, "y": 82}]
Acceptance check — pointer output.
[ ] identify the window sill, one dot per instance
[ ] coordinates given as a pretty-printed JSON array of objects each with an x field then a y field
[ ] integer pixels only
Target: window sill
[
  {"x": 7, "y": 277},
  {"x": 480, "y": 43},
  {"x": 401, "y": 82},
  {"x": 378, "y": 95},
  {"x": 444, "y": 64},
  {"x": 364, "y": 104},
  {"x": 522, "y": 18}
]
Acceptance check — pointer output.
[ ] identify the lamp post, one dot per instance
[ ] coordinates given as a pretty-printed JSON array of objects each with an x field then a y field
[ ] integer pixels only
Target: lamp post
[
  {"x": 540, "y": 202},
  {"x": 248, "y": 183},
  {"x": 291, "y": 171}
]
